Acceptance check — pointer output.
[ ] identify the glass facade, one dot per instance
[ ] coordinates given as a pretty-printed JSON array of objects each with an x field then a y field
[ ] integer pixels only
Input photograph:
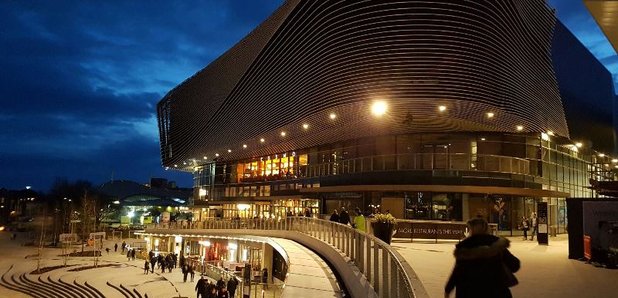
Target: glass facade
[{"x": 532, "y": 161}]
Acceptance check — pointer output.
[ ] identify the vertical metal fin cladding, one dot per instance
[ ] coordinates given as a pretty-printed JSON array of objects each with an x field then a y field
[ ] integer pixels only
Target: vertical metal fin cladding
[{"x": 312, "y": 58}]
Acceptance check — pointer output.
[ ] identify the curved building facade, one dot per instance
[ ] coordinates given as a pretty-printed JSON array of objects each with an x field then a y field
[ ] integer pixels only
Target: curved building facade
[{"x": 442, "y": 109}]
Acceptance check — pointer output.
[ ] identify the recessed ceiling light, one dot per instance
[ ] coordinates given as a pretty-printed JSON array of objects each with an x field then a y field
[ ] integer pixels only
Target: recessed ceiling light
[
  {"x": 490, "y": 115},
  {"x": 244, "y": 146},
  {"x": 283, "y": 133},
  {"x": 205, "y": 157},
  {"x": 262, "y": 140},
  {"x": 306, "y": 126},
  {"x": 217, "y": 154},
  {"x": 229, "y": 150},
  {"x": 442, "y": 108},
  {"x": 333, "y": 116},
  {"x": 379, "y": 108},
  {"x": 519, "y": 127}
]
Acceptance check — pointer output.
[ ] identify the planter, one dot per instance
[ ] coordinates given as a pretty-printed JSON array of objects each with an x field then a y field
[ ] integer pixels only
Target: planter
[{"x": 383, "y": 231}]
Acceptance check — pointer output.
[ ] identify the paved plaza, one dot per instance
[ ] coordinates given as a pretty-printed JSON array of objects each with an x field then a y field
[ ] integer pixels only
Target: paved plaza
[{"x": 546, "y": 271}]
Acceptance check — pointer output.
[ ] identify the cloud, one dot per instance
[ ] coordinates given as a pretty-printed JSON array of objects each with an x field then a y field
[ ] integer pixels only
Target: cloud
[{"x": 80, "y": 81}]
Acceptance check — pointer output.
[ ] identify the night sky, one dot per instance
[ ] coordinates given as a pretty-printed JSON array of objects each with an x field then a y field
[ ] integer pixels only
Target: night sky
[{"x": 79, "y": 80}]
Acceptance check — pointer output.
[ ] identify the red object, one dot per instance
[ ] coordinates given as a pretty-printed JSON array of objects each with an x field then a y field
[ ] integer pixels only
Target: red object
[{"x": 587, "y": 247}]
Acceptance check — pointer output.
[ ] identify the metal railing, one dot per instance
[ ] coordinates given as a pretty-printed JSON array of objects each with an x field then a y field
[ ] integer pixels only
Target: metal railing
[{"x": 384, "y": 268}]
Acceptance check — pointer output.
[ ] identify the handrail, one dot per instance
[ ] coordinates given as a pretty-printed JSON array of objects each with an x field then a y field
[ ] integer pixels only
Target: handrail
[{"x": 385, "y": 269}]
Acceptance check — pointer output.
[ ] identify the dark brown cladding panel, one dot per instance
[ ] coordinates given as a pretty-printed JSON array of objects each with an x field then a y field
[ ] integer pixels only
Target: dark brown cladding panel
[{"x": 331, "y": 56}]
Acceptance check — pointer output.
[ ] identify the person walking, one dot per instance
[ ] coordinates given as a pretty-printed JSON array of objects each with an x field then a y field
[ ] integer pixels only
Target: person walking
[
  {"x": 115, "y": 247},
  {"x": 153, "y": 261},
  {"x": 265, "y": 278},
  {"x": 534, "y": 223},
  {"x": 191, "y": 271},
  {"x": 484, "y": 266},
  {"x": 146, "y": 267},
  {"x": 133, "y": 254},
  {"x": 124, "y": 245},
  {"x": 232, "y": 283},
  {"x": 335, "y": 216},
  {"x": 185, "y": 272},
  {"x": 107, "y": 250},
  {"x": 128, "y": 255},
  {"x": 220, "y": 284},
  {"x": 359, "y": 221},
  {"x": 344, "y": 217},
  {"x": 525, "y": 225},
  {"x": 223, "y": 293},
  {"x": 200, "y": 288}
]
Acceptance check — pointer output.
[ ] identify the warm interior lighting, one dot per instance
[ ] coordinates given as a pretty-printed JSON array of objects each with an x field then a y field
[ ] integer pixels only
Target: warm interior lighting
[
  {"x": 482, "y": 139},
  {"x": 262, "y": 140},
  {"x": 333, "y": 116},
  {"x": 579, "y": 144},
  {"x": 229, "y": 150},
  {"x": 243, "y": 207},
  {"x": 601, "y": 154},
  {"x": 490, "y": 115},
  {"x": 306, "y": 126},
  {"x": 519, "y": 127},
  {"x": 442, "y": 108},
  {"x": 244, "y": 146},
  {"x": 544, "y": 136},
  {"x": 615, "y": 160},
  {"x": 217, "y": 154},
  {"x": 283, "y": 133},
  {"x": 205, "y": 157},
  {"x": 204, "y": 243},
  {"x": 379, "y": 108},
  {"x": 551, "y": 133}
]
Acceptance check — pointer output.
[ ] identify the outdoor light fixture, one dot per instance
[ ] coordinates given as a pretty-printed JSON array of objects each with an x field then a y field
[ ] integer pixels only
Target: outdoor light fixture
[
  {"x": 306, "y": 126},
  {"x": 283, "y": 133},
  {"x": 519, "y": 127},
  {"x": 442, "y": 108},
  {"x": 379, "y": 108},
  {"x": 244, "y": 146},
  {"x": 262, "y": 140},
  {"x": 333, "y": 116},
  {"x": 490, "y": 115},
  {"x": 579, "y": 144}
]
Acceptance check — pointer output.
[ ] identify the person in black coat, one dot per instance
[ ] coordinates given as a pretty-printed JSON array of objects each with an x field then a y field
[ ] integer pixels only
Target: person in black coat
[
  {"x": 200, "y": 287},
  {"x": 232, "y": 283},
  {"x": 484, "y": 266},
  {"x": 344, "y": 217},
  {"x": 335, "y": 216}
]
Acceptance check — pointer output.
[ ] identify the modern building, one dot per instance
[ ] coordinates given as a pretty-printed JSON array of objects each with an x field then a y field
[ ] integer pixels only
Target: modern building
[{"x": 441, "y": 110}]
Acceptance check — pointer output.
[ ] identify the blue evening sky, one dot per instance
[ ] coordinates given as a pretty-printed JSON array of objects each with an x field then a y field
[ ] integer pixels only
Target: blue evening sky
[{"x": 80, "y": 79}]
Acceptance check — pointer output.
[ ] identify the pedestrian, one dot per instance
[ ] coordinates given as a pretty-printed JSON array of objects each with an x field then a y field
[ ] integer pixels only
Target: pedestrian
[
  {"x": 185, "y": 272},
  {"x": 146, "y": 267},
  {"x": 534, "y": 223},
  {"x": 153, "y": 261},
  {"x": 200, "y": 288},
  {"x": 124, "y": 245},
  {"x": 335, "y": 216},
  {"x": 359, "y": 221},
  {"x": 163, "y": 267},
  {"x": 191, "y": 271},
  {"x": 220, "y": 283},
  {"x": 525, "y": 225},
  {"x": 170, "y": 265},
  {"x": 223, "y": 293},
  {"x": 115, "y": 247},
  {"x": 128, "y": 255},
  {"x": 308, "y": 212},
  {"x": 265, "y": 278},
  {"x": 211, "y": 290},
  {"x": 175, "y": 259},
  {"x": 133, "y": 254},
  {"x": 107, "y": 250},
  {"x": 232, "y": 283},
  {"x": 344, "y": 217},
  {"x": 484, "y": 266}
]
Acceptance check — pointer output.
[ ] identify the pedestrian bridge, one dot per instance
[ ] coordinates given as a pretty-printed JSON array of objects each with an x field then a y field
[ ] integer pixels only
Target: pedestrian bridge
[{"x": 366, "y": 265}]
